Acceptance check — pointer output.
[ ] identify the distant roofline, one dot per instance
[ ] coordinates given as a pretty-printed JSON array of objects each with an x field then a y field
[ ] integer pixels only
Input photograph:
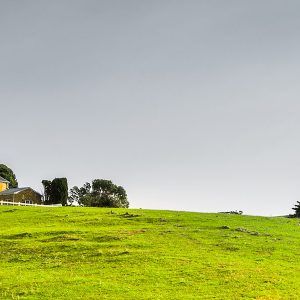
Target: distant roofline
[
  {"x": 16, "y": 191},
  {"x": 3, "y": 180}
]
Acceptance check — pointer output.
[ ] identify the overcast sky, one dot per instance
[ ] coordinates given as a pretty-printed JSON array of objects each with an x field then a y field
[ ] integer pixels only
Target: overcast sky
[{"x": 190, "y": 105}]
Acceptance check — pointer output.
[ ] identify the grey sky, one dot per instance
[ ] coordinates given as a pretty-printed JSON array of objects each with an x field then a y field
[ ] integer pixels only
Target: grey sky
[{"x": 190, "y": 105}]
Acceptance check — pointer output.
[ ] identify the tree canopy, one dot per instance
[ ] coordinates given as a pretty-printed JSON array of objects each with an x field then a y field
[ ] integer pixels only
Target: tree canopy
[
  {"x": 9, "y": 175},
  {"x": 56, "y": 191},
  {"x": 101, "y": 193}
]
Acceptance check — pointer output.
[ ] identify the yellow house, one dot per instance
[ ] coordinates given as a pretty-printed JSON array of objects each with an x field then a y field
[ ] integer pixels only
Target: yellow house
[
  {"x": 20, "y": 195},
  {"x": 4, "y": 184}
]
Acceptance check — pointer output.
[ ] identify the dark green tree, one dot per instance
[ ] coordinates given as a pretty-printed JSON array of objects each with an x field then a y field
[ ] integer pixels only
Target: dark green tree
[
  {"x": 59, "y": 191},
  {"x": 47, "y": 191},
  {"x": 77, "y": 194},
  {"x": 297, "y": 209},
  {"x": 56, "y": 191},
  {"x": 9, "y": 175},
  {"x": 107, "y": 194},
  {"x": 102, "y": 193}
]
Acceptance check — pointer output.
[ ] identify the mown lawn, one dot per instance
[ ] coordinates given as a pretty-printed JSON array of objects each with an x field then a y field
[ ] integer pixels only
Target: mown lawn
[{"x": 95, "y": 253}]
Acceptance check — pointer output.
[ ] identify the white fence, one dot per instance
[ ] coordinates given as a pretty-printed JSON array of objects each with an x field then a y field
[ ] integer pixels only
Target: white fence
[{"x": 27, "y": 204}]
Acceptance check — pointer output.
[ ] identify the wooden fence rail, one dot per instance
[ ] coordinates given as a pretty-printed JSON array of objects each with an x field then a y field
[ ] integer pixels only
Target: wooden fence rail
[{"x": 27, "y": 204}]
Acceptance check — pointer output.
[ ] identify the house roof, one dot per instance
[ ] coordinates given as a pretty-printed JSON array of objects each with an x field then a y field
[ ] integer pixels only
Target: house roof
[
  {"x": 3, "y": 180},
  {"x": 16, "y": 191}
]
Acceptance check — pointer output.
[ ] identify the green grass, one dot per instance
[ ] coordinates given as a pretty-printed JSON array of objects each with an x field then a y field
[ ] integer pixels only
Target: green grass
[{"x": 94, "y": 253}]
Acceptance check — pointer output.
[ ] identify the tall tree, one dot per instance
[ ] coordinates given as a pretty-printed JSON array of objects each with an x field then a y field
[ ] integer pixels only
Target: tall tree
[
  {"x": 9, "y": 175},
  {"x": 297, "y": 209},
  {"x": 47, "y": 191},
  {"x": 77, "y": 194},
  {"x": 56, "y": 191},
  {"x": 59, "y": 191}
]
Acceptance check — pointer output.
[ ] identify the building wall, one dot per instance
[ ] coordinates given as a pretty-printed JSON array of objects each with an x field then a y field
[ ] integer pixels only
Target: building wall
[
  {"x": 28, "y": 194},
  {"x": 3, "y": 186}
]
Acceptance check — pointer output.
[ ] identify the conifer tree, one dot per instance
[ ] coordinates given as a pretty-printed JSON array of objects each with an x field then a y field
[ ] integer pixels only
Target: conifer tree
[
  {"x": 59, "y": 191},
  {"x": 56, "y": 191},
  {"x": 297, "y": 209}
]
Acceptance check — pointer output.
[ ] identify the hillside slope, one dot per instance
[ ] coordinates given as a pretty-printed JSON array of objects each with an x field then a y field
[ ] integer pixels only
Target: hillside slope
[{"x": 90, "y": 253}]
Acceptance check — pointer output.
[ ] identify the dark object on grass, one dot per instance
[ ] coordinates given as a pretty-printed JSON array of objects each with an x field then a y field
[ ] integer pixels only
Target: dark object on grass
[
  {"x": 225, "y": 227},
  {"x": 127, "y": 215},
  {"x": 233, "y": 212},
  {"x": 245, "y": 230},
  {"x": 9, "y": 211},
  {"x": 242, "y": 229}
]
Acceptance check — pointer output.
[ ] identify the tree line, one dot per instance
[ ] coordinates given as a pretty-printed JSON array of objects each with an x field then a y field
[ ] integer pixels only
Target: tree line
[{"x": 99, "y": 193}]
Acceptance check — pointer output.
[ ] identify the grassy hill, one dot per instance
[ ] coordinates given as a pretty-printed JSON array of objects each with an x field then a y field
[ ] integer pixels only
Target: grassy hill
[{"x": 90, "y": 253}]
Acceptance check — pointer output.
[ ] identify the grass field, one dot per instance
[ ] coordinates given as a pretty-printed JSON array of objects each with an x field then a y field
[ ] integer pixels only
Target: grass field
[{"x": 95, "y": 253}]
